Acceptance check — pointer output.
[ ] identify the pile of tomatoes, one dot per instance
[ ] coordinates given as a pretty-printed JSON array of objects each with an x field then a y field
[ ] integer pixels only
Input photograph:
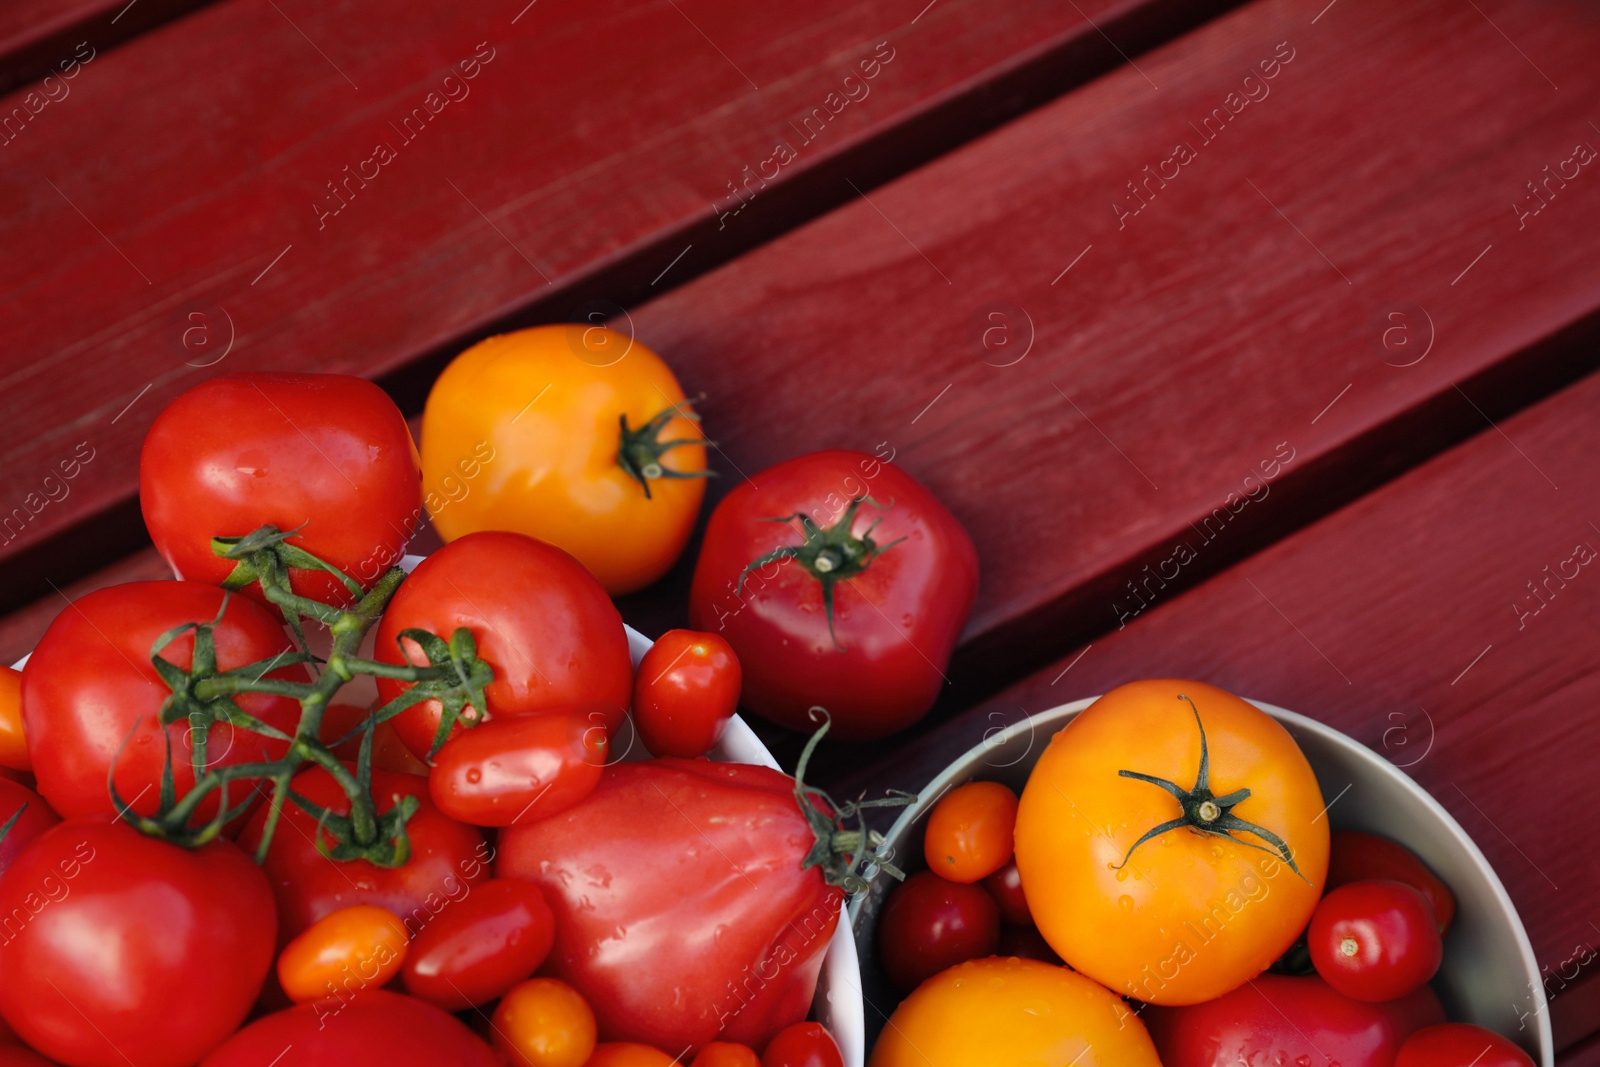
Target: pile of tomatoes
[{"x": 1166, "y": 892}]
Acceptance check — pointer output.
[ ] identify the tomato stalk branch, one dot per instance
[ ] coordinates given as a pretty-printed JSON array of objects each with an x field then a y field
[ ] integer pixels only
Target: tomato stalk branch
[{"x": 842, "y": 853}]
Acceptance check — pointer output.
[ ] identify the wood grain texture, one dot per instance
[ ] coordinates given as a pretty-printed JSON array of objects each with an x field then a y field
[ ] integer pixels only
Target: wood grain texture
[
  {"x": 39, "y": 37},
  {"x": 230, "y": 226},
  {"x": 1447, "y": 622}
]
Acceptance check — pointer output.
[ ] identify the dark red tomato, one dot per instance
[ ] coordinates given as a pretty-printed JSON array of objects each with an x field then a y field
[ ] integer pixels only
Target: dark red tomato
[
  {"x": 683, "y": 914},
  {"x": 544, "y": 624},
  {"x": 1375, "y": 940},
  {"x": 447, "y": 857},
  {"x": 518, "y": 768},
  {"x": 1026, "y": 942},
  {"x": 929, "y": 924},
  {"x": 33, "y": 816},
  {"x": 1005, "y": 885},
  {"x": 105, "y": 927},
  {"x": 90, "y": 695},
  {"x": 896, "y": 611},
  {"x": 802, "y": 1045},
  {"x": 1277, "y": 1019},
  {"x": 1457, "y": 1044},
  {"x": 374, "y": 1027},
  {"x": 1354, "y": 856},
  {"x": 684, "y": 692},
  {"x": 481, "y": 946}
]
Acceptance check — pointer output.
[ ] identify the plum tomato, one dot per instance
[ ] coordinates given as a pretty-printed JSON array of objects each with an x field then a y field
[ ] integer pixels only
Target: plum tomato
[
  {"x": 929, "y": 924},
  {"x": 802, "y": 1045},
  {"x": 684, "y": 692},
  {"x": 518, "y": 768},
  {"x": 328, "y": 455},
  {"x": 13, "y": 743},
  {"x": 726, "y": 1054},
  {"x": 969, "y": 834},
  {"x": 1375, "y": 940},
  {"x": 482, "y": 945},
  {"x": 544, "y": 1023},
  {"x": 347, "y": 950},
  {"x": 373, "y": 1027},
  {"x": 1354, "y": 856},
  {"x": 1455, "y": 1044},
  {"x": 33, "y": 817},
  {"x": 1005, "y": 885}
]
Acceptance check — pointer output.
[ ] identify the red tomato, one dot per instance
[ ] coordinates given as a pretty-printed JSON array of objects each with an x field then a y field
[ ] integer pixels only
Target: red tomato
[
  {"x": 1358, "y": 857},
  {"x": 91, "y": 698},
  {"x": 106, "y": 926},
  {"x": 970, "y": 831},
  {"x": 726, "y": 1054},
  {"x": 1005, "y": 885},
  {"x": 684, "y": 693},
  {"x": 17, "y": 1056},
  {"x": 1375, "y": 940},
  {"x": 389, "y": 753},
  {"x": 896, "y": 611},
  {"x": 683, "y": 914},
  {"x": 1277, "y": 1019},
  {"x": 447, "y": 857},
  {"x": 544, "y": 624},
  {"x": 802, "y": 1045},
  {"x": 481, "y": 946},
  {"x": 376, "y": 1027},
  {"x": 929, "y": 924},
  {"x": 327, "y": 453},
  {"x": 1455, "y": 1044},
  {"x": 33, "y": 817},
  {"x": 517, "y": 768}
]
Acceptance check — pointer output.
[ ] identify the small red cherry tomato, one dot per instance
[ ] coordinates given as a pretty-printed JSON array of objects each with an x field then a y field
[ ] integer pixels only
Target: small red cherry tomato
[
  {"x": 1455, "y": 1044},
  {"x": 684, "y": 692},
  {"x": 970, "y": 831},
  {"x": 929, "y": 924},
  {"x": 545, "y": 1023},
  {"x": 517, "y": 768},
  {"x": 1357, "y": 857},
  {"x": 354, "y": 948},
  {"x": 802, "y": 1045},
  {"x": 1375, "y": 941},
  {"x": 726, "y": 1054},
  {"x": 1005, "y": 885},
  {"x": 480, "y": 946}
]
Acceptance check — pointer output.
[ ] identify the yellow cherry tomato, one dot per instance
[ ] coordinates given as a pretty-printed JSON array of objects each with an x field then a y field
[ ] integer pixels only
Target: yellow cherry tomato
[
  {"x": 354, "y": 948},
  {"x": 969, "y": 831},
  {"x": 13, "y": 746},
  {"x": 576, "y": 435},
  {"x": 1013, "y": 1012},
  {"x": 1171, "y": 841},
  {"x": 544, "y": 1022}
]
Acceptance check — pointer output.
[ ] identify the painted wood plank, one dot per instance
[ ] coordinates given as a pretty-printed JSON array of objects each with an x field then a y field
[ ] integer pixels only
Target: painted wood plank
[{"x": 40, "y": 38}]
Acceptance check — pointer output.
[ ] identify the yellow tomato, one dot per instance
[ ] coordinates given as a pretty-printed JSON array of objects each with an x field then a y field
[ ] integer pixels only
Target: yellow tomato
[
  {"x": 1013, "y": 1013},
  {"x": 1171, "y": 841},
  {"x": 346, "y": 951},
  {"x": 576, "y": 435},
  {"x": 13, "y": 746},
  {"x": 969, "y": 834}
]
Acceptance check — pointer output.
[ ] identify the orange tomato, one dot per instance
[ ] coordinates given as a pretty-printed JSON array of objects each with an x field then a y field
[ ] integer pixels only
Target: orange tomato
[
  {"x": 726, "y": 1054},
  {"x": 969, "y": 834},
  {"x": 1171, "y": 841},
  {"x": 576, "y": 435},
  {"x": 354, "y": 948},
  {"x": 13, "y": 746},
  {"x": 623, "y": 1054},
  {"x": 544, "y": 1023}
]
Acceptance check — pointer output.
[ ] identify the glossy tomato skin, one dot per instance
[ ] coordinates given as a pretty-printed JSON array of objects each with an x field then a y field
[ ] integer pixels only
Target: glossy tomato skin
[
  {"x": 726, "y": 1054},
  {"x": 480, "y": 946},
  {"x": 970, "y": 831},
  {"x": 553, "y": 637},
  {"x": 13, "y": 742},
  {"x": 684, "y": 692},
  {"x": 896, "y": 622},
  {"x": 802, "y": 1045},
  {"x": 362, "y": 943},
  {"x": 1375, "y": 940},
  {"x": 629, "y": 1054},
  {"x": 1361, "y": 857},
  {"x": 494, "y": 459},
  {"x": 517, "y": 768},
  {"x": 372, "y": 1027},
  {"x": 1005, "y": 885},
  {"x": 1279, "y": 1019},
  {"x": 172, "y": 914},
  {"x": 1453, "y": 1044},
  {"x": 544, "y": 1023},
  {"x": 327, "y": 453},
  {"x": 34, "y": 819},
  {"x": 90, "y": 680},
  {"x": 694, "y": 867},
  {"x": 447, "y": 857},
  {"x": 929, "y": 924}
]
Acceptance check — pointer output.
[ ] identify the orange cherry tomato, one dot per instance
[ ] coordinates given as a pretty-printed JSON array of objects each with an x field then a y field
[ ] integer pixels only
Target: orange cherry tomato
[
  {"x": 684, "y": 693},
  {"x": 969, "y": 834},
  {"x": 624, "y": 1054},
  {"x": 354, "y": 948},
  {"x": 544, "y": 1023},
  {"x": 13, "y": 746},
  {"x": 726, "y": 1054}
]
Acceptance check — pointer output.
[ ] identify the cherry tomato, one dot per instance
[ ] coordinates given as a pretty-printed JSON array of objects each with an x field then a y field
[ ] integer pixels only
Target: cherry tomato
[
  {"x": 544, "y": 1023},
  {"x": 327, "y": 454},
  {"x": 553, "y": 637},
  {"x": 33, "y": 817},
  {"x": 726, "y": 1054},
  {"x": 1358, "y": 857},
  {"x": 518, "y": 768},
  {"x": 105, "y": 927},
  {"x": 625, "y": 1054},
  {"x": 354, "y": 948},
  {"x": 13, "y": 745},
  {"x": 856, "y": 607},
  {"x": 929, "y": 924},
  {"x": 91, "y": 698},
  {"x": 376, "y": 1027},
  {"x": 802, "y": 1045},
  {"x": 1375, "y": 940},
  {"x": 1455, "y": 1044},
  {"x": 481, "y": 946},
  {"x": 1005, "y": 885},
  {"x": 1027, "y": 943},
  {"x": 684, "y": 693},
  {"x": 574, "y": 434},
  {"x": 969, "y": 834}
]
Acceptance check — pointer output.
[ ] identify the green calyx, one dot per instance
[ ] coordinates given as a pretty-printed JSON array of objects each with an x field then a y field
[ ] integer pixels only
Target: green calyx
[
  {"x": 841, "y": 852},
  {"x": 1206, "y": 813},
  {"x": 639, "y": 451}
]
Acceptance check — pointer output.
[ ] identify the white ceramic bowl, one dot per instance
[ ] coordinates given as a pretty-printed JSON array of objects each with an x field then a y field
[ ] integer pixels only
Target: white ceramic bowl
[{"x": 1489, "y": 975}]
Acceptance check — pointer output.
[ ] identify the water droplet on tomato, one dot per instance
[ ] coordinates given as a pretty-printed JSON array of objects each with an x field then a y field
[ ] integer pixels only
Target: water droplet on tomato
[
  {"x": 1125, "y": 902},
  {"x": 474, "y": 775},
  {"x": 1122, "y": 875}
]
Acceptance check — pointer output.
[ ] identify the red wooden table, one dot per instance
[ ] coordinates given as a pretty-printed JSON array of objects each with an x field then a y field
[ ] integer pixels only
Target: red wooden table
[{"x": 1254, "y": 342}]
